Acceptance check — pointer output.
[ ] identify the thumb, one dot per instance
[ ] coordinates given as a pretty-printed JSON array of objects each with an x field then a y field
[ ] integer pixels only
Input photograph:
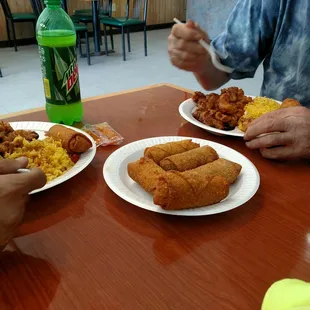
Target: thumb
[{"x": 29, "y": 181}]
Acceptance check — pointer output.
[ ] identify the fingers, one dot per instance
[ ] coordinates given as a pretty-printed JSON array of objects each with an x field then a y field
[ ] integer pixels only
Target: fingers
[
  {"x": 270, "y": 140},
  {"x": 191, "y": 24},
  {"x": 184, "y": 62},
  {"x": 8, "y": 166},
  {"x": 27, "y": 182},
  {"x": 269, "y": 122},
  {"x": 281, "y": 153},
  {"x": 185, "y": 32}
]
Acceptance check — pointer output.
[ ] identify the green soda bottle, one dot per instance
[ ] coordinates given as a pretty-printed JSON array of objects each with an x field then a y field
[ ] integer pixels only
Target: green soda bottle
[{"x": 56, "y": 37}]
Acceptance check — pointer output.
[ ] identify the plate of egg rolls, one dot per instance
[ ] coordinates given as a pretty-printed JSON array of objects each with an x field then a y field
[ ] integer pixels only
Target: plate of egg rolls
[{"x": 181, "y": 176}]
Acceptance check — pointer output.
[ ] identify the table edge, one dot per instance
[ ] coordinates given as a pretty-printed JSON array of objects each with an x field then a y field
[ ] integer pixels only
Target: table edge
[{"x": 29, "y": 111}]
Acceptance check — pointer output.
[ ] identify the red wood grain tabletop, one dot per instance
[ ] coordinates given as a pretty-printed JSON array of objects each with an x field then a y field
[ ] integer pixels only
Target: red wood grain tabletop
[{"x": 82, "y": 247}]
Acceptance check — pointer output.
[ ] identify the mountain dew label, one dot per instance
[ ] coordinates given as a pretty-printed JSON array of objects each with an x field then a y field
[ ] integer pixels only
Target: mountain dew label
[{"x": 60, "y": 74}]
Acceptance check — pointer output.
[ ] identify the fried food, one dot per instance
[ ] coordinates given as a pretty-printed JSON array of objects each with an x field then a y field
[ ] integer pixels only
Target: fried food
[
  {"x": 221, "y": 111},
  {"x": 8, "y": 137},
  {"x": 190, "y": 189},
  {"x": 161, "y": 151},
  {"x": 146, "y": 173},
  {"x": 72, "y": 141},
  {"x": 190, "y": 159},
  {"x": 290, "y": 103},
  {"x": 221, "y": 167}
]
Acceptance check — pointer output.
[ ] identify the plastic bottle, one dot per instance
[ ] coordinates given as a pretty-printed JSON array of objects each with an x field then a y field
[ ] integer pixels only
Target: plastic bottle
[{"x": 56, "y": 37}]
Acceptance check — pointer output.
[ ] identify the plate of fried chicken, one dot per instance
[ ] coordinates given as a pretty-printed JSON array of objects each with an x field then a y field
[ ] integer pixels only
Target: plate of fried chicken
[
  {"x": 230, "y": 112},
  {"x": 217, "y": 113}
]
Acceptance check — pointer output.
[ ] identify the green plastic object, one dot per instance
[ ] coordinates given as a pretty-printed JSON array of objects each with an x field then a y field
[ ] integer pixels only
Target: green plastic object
[
  {"x": 56, "y": 37},
  {"x": 288, "y": 294}
]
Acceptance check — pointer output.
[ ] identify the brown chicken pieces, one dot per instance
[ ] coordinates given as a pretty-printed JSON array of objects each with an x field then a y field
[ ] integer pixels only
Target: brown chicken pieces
[
  {"x": 8, "y": 135},
  {"x": 221, "y": 111}
]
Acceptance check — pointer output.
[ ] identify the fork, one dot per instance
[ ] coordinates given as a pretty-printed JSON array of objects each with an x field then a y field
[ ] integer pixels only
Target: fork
[{"x": 211, "y": 51}]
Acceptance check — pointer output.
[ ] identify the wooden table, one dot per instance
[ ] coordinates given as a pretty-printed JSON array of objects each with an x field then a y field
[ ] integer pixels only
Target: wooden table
[{"x": 82, "y": 247}]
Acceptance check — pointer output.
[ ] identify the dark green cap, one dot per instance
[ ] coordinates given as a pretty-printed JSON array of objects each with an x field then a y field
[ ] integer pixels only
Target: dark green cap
[{"x": 52, "y": 2}]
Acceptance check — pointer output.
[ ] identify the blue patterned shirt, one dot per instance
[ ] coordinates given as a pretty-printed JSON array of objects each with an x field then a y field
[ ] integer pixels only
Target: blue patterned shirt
[{"x": 277, "y": 33}]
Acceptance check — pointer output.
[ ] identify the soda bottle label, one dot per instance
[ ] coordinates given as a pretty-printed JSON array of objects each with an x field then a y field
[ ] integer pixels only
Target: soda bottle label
[{"x": 60, "y": 74}]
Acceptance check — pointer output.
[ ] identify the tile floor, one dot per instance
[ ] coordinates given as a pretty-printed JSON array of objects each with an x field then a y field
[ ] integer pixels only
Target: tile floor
[{"x": 21, "y": 87}]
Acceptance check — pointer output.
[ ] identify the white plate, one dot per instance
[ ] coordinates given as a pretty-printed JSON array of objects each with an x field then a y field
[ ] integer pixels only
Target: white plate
[
  {"x": 83, "y": 162},
  {"x": 116, "y": 176},
  {"x": 187, "y": 108}
]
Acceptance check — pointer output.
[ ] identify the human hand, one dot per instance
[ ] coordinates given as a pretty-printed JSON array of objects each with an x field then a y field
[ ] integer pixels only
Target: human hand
[
  {"x": 14, "y": 190},
  {"x": 288, "y": 134},
  {"x": 184, "y": 48}
]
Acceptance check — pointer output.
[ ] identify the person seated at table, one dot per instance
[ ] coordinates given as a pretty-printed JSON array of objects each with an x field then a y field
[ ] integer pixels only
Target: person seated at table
[
  {"x": 14, "y": 190},
  {"x": 275, "y": 32}
]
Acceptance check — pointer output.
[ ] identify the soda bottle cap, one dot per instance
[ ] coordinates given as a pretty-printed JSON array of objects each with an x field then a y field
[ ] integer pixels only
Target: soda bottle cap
[{"x": 52, "y": 2}]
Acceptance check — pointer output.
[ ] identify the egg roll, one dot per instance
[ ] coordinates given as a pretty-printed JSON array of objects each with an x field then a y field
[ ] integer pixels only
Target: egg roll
[
  {"x": 72, "y": 141},
  {"x": 221, "y": 167},
  {"x": 190, "y": 189},
  {"x": 190, "y": 159},
  {"x": 161, "y": 151},
  {"x": 146, "y": 173}
]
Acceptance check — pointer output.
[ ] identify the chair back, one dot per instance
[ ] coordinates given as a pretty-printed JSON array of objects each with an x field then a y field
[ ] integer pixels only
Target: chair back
[
  {"x": 106, "y": 6},
  {"x": 39, "y": 6},
  {"x": 6, "y": 9},
  {"x": 34, "y": 8},
  {"x": 139, "y": 7}
]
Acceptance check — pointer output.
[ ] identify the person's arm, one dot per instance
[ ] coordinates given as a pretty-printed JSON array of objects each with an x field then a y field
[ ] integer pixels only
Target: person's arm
[
  {"x": 246, "y": 41},
  {"x": 212, "y": 78}
]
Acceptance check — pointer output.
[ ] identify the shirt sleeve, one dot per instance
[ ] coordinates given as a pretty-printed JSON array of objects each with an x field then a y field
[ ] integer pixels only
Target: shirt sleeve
[{"x": 248, "y": 37}]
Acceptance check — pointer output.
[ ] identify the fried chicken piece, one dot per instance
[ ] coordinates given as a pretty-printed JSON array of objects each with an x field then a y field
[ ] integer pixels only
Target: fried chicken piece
[
  {"x": 211, "y": 101},
  {"x": 290, "y": 103},
  {"x": 28, "y": 135},
  {"x": 221, "y": 111},
  {"x": 5, "y": 127},
  {"x": 198, "y": 96},
  {"x": 226, "y": 106}
]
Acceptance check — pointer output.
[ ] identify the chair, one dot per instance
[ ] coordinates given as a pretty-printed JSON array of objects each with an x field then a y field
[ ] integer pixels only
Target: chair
[
  {"x": 1, "y": 73},
  {"x": 12, "y": 18},
  {"x": 126, "y": 23},
  {"x": 86, "y": 16}
]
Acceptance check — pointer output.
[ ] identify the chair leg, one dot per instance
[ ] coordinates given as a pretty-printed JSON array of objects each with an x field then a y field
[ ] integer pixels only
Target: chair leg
[
  {"x": 14, "y": 36},
  {"x": 79, "y": 43},
  {"x": 128, "y": 40},
  {"x": 145, "y": 41},
  {"x": 123, "y": 40},
  {"x": 111, "y": 37},
  {"x": 1, "y": 73},
  {"x": 87, "y": 48},
  {"x": 8, "y": 33},
  {"x": 105, "y": 40}
]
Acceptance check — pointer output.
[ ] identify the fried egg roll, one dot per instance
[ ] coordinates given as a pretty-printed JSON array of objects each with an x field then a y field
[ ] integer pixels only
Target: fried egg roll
[
  {"x": 161, "y": 151},
  {"x": 190, "y": 189},
  {"x": 146, "y": 173},
  {"x": 190, "y": 159},
  {"x": 221, "y": 167},
  {"x": 72, "y": 141}
]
